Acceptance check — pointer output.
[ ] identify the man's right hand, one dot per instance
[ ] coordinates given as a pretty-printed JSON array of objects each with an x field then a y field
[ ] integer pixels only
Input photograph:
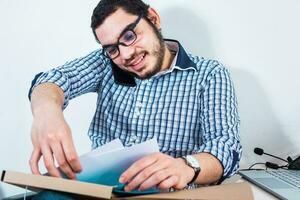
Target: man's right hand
[{"x": 51, "y": 136}]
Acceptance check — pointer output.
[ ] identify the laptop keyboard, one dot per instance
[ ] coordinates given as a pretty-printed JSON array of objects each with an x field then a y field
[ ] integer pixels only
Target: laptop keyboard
[{"x": 289, "y": 176}]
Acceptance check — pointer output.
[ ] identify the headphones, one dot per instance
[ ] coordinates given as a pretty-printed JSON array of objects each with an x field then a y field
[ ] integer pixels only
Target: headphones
[{"x": 291, "y": 164}]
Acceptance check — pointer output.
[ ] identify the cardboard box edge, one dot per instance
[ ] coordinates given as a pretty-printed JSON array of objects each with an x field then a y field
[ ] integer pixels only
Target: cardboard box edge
[
  {"x": 112, "y": 196},
  {"x": 7, "y": 173}
]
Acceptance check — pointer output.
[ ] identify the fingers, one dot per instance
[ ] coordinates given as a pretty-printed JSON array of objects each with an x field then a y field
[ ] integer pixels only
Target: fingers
[
  {"x": 56, "y": 151},
  {"x": 169, "y": 182},
  {"x": 49, "y": 161},
  {"x": 158, "y": 170},
  {"x": 152, "y": 171},
  {"x": 52, "y": 139},
  {"x": 61, "y": 160},
  {"x": 137, "y": 167},
  {"x": 156, "y": 179},
  {"x": 34, "y": 161},
  {"x": 71, "y": 155},
  {"x": 145, "y": 174}
]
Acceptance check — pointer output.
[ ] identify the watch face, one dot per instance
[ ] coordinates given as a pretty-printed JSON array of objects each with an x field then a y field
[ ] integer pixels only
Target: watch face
[{"x": 192, "y": 161}]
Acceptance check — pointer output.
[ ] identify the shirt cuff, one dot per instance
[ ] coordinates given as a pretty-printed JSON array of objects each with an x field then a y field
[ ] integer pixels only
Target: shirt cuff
[{"x": 229, "y": 157}]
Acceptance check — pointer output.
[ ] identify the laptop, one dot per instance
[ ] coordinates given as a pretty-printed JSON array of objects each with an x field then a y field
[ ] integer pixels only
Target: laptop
[{"x": 284, "y": 184}]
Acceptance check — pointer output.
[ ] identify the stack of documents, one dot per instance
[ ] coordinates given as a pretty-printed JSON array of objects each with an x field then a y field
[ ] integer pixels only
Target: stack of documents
[{"x": 105, "y": 164}]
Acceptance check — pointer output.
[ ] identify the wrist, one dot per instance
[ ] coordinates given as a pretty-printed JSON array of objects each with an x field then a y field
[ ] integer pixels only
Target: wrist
[
  {"x": 187, "y": 172},
  {"x": 46, "y": 98},
  {"x": 47, "y": 111},
  {"x": 194, "y": 164}
]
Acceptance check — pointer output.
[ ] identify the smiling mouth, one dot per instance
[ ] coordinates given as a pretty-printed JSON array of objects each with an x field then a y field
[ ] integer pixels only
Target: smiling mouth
[{"x": 137, "y": 63}]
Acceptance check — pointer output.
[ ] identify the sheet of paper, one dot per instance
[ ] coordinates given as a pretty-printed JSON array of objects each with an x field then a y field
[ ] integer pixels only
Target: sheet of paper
[
  {"x": 110, "y": 146},
  {"x": 106, "y": 167},
  {"x": 84, "y": 159}
]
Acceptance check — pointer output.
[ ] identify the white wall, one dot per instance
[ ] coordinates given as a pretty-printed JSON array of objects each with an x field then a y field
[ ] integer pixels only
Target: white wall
[{"x": 258, "y": 41}]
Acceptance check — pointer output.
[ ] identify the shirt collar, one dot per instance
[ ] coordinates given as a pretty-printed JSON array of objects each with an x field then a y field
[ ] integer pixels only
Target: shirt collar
[{"x": 183, "y": 62}]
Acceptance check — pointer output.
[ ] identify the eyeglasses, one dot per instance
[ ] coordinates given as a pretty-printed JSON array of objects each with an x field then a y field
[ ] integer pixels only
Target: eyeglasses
[{"x": 126, "y": 38}]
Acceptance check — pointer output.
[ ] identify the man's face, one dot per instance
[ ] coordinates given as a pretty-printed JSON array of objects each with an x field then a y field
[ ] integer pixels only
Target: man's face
[{"x": 144, "y": 57}]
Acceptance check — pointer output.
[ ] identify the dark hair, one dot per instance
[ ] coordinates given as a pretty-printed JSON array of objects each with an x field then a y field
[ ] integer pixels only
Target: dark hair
[{"x": 107, "y": 7}]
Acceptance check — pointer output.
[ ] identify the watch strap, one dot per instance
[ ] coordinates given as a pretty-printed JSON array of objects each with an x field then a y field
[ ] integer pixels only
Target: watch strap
[{"x": 197, "y": 171}]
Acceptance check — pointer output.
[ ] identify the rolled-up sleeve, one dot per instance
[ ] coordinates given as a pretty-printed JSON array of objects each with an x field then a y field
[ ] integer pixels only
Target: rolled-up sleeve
[
  {"x": 75, "y": 78},
  {"x": 220, "y": 121}
]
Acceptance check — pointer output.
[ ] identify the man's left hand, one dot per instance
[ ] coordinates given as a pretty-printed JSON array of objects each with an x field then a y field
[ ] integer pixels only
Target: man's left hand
[{"x": 158, "y": 169}]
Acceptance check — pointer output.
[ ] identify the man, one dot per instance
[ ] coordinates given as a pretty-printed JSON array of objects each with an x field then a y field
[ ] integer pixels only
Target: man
[{"x": 147, "y": 88}]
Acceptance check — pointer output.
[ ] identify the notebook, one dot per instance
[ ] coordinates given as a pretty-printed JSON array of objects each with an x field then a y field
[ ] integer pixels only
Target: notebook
[{"x": 284, "y": 184}]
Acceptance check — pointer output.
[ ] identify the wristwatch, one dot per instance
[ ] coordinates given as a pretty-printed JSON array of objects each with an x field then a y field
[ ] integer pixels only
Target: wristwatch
[{"x": 193, "y": 163}]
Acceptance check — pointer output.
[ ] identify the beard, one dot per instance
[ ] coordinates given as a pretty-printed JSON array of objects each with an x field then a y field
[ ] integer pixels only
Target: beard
[{"x": 158, "y": 52}]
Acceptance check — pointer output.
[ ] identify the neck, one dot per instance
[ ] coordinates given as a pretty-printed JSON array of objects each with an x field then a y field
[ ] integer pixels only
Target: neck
[{"x": 168, "y": 59}]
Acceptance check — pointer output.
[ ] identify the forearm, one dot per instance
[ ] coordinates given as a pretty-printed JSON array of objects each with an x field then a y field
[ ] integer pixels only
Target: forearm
[
  {"x": 45, "y": 97},
  {"x": 211, "y": 168}
]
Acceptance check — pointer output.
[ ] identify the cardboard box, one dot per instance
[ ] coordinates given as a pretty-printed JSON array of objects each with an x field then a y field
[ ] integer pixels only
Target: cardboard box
[{"x": 234, "y": 191}]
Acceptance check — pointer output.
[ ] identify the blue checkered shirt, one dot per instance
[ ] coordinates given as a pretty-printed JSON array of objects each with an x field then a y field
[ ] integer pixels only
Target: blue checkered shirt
[{"x": 191, "y": 108}]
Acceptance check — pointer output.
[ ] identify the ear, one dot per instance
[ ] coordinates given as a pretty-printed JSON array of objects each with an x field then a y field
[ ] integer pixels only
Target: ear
[{"x": 153, "y": 16}]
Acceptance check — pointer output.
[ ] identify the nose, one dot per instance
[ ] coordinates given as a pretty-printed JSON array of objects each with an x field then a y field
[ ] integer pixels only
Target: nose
[{"x": 126, "y": 52}]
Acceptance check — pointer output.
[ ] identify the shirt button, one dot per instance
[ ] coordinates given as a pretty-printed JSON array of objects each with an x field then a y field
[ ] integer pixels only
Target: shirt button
[
  {"x": 138, "y": 110},
  {"x": 133, "y": 138},
  {"x": 144, "y": 82}
]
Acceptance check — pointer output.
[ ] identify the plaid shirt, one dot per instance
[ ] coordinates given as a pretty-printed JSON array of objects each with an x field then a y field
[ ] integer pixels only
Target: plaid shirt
[{"x": 190, "y": 108}]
